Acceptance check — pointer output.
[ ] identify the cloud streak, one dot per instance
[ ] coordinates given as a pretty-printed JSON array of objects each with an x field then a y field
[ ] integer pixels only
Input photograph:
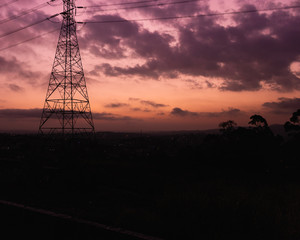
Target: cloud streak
[
  {"x": 186, "y": 113},
  {"x": 21, "y": 113},
  {"x": 153, "y": 104},
  {"x": 116, "y": 105},
  {"x": 112, "y": 117},
  {"x": 13, "y": 70},
  {"x": 283, "y": 105},
  {"x": 15, "y": 88},
  {"x": 37, "y": 112}
]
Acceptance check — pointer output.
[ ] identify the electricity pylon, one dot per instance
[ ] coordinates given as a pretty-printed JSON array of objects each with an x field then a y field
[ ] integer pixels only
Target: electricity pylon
[{"x": 67, "y": 108}]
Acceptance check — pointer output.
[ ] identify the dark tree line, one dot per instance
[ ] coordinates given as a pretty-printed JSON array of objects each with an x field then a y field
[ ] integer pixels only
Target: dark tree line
[
  {"x": 259, "y": 124},
  {"x": 294, "y": 124},
  {"x": 255, "y": 147},
  {"x": 241, "y": 184}
]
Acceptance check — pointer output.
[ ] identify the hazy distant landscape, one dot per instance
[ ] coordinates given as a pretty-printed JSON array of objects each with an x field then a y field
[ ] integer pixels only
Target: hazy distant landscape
[{"x": 187, "y": 185}]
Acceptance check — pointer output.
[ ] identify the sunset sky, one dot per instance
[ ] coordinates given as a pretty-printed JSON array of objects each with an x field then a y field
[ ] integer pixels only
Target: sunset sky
[{"x": 183, "y": 74}]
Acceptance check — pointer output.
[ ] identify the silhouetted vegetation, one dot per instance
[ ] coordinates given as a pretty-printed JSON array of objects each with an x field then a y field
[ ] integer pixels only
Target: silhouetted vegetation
[
  {"x": 293, "y": 125},
  {"x": 241, "y": 183},
  {"x": 258, "y": 121},
  {"x": 227, "y": 126}
]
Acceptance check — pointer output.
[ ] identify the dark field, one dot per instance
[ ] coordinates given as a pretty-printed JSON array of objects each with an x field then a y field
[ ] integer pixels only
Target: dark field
[{"x": 239, "y": 185}]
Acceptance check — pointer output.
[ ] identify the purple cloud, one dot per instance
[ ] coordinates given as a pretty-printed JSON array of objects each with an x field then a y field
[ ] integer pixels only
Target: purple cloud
[
  {"x": 258, "y": 49},
  {"x": 112, "y": 117},
  {"x": 283, "y": 105},
  {"x": 21, "y": 113},
  {"x": 15, "y": 88},
  {"x": 185, "y": 113},
  {"x": 116, "y": 105},
  {"x": 107, "y": 40},
  {"x": 18, "y": 70},
  {"x": 153, "y": 104},
  {"x": 36, "y": 113}
]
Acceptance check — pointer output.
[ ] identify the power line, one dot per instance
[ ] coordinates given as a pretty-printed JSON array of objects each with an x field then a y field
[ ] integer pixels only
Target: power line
[
  {"x": 193, "y": 16},
  {"x": 120, "y": 4},
  {"x": 25, "y": 12},
  {"x": 145, "y": 6},
  {"x": 149, "y": 19},
  {"x": 8, "y": 3},
  {"x": 30, "y": 39},
  {"x": 28, "y": 26}
]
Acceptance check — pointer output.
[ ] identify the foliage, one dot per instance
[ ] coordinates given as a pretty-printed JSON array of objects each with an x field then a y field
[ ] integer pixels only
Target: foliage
[
  {"x": 227, "y": 126},
  {"x": 258, "y": 121},
  {"x": 293, "y": 125}
]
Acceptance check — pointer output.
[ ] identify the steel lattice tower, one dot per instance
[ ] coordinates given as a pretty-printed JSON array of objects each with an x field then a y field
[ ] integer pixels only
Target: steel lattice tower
[{"x": 67, "y": 107}]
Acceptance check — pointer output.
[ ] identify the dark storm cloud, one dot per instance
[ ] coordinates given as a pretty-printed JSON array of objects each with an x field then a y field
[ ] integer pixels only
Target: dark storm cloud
[
  {"x": 116, "y": 105},
  {"x": 21, "y": 113},
  {"x": 283, "y": 105},
  {"x": 153, "y": 104},
  {"x": 106, "y": 40},
  {"x": 143, "y": 71},
  {"x": 258, "y": 49},
  {"x": 185, "y": 113}
]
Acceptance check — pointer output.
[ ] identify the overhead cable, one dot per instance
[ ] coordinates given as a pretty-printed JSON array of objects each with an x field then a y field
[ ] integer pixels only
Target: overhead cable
[
  {"x": 193, "y": 16},
  {"x": 8, "y": 3},
  {"x": 30, "y": 25},
  {"x": 145, "y": 6},
  {"x": 25, "y": 12},
  {"x": 30, "y": 39},
  {"x": 120, "y": 4},
  {"x": 136, "y": 20}
]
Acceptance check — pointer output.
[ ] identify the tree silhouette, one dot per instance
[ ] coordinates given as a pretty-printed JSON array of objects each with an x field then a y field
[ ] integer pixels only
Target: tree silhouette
[
  {"x": 258, "y": 121},
  {"x": 295, "y": 118},
  {"x": 227, "y": 126},
  {"x": 294, "y": 123}
]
